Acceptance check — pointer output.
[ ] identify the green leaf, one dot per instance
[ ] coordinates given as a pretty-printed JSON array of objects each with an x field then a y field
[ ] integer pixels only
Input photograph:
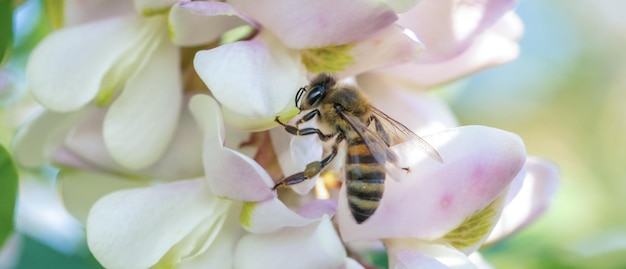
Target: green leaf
[
  {"x": 6, "y": 27},
  {"x": 8, "y": 194}
]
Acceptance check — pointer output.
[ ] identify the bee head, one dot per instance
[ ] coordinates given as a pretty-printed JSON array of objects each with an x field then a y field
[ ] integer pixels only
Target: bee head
[{"x": 315, "y": 92}]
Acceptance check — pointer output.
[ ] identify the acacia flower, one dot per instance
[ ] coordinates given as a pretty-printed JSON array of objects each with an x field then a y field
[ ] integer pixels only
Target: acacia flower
[
  {"x": 306, "y": 37},
  {"x": 118, "y": 118},
  {"x": 119, "y": 61}
]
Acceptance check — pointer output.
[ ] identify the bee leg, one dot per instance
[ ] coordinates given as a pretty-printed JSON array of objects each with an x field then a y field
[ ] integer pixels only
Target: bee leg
[
  {"x": 312, "y": 169},
  {"x": 305, "y": 131},
  {"x": 293, "y": 179}
]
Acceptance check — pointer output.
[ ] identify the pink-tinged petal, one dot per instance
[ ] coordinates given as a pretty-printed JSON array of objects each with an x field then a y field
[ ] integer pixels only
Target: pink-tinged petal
[
  {"x": 391, "y": 45},
  {"x": 448, "y": 27},
  {"x": 214, "y": 18},
  {"x": 420, "y": 111},
  {"x": 77, "y": 12},
  {"x": 315, "y": 245},
  {"x": 63, "y": 83},
  {"x": 141, "y": 122},
  {"x": 487, "y": 50},
  {"x": 539, "y": 185},
  {"x": 310, "y": 24},
  {"x": 405, "y": 253},
  {"x": 272, "y": 215},
  {"x": 153, "y": 7},
  {"x": 261, "y": 70},
  {"x": 435, "y": 198},
  {"x": 229, "y": 173},
  {"x": 510, "y": 26},
  {"x": 80, "y": 189},
  {"x": 121, "y": 230},
  {"x": 406, "y": 259}
]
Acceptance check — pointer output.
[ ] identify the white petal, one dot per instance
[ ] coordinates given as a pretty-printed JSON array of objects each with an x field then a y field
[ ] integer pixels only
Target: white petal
[
  {"x": 406, "y": 259},
  {"x": 66, "y": 70},
  {"x": 261, "y": 70},
  {"x": 480, "y": 261},
  {"x": 182, "y": 158},
  {"x": 229, "y": 173},
  {"x": 80, "y": 189},
  {"x": 214, "y": 18},
  {"x": 418, "y": 253},
  {"x": 135, "y": 228},
  {"x": 272, "y": 215},
  {"x": 142, "y": 120},
  {"x": 313, "y": 246},
  {"x": 221, "y": 252},
  {"x": 153, "y": 7}
]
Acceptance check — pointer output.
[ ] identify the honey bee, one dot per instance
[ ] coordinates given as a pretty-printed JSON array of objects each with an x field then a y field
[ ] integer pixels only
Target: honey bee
[{"x": 345, "y": 114}]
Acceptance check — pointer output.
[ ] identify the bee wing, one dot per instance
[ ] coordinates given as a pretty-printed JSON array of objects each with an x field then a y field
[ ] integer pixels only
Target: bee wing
[
  {"x": 397, "y": 133},
  {"x": 376, "y": 144}
]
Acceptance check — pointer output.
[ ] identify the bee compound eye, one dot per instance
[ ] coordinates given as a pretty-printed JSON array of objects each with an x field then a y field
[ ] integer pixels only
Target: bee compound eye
[{"x": 315, "y": 95}]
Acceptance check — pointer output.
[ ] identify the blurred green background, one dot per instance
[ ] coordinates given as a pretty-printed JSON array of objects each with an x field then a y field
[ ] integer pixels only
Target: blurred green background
[{"x": 564, "y": 96}]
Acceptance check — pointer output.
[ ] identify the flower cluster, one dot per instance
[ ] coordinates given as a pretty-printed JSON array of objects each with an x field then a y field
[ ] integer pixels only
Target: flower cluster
[{"x": 160, "y": 117}]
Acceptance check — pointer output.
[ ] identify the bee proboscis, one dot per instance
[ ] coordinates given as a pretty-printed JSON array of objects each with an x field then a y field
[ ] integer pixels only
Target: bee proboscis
[{"x": 345, "y": 114}]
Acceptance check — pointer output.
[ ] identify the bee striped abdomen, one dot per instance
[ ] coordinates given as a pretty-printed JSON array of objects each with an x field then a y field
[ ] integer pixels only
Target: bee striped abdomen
[{"x": 365, "y": 179}]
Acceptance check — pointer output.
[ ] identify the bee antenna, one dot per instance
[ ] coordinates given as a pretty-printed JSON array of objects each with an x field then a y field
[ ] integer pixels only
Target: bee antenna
[{"x": 299, "y": 95}]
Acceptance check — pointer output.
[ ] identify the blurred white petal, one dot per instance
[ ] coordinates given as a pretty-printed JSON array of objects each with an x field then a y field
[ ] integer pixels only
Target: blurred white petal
[{"x": 141, "y": 121}]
